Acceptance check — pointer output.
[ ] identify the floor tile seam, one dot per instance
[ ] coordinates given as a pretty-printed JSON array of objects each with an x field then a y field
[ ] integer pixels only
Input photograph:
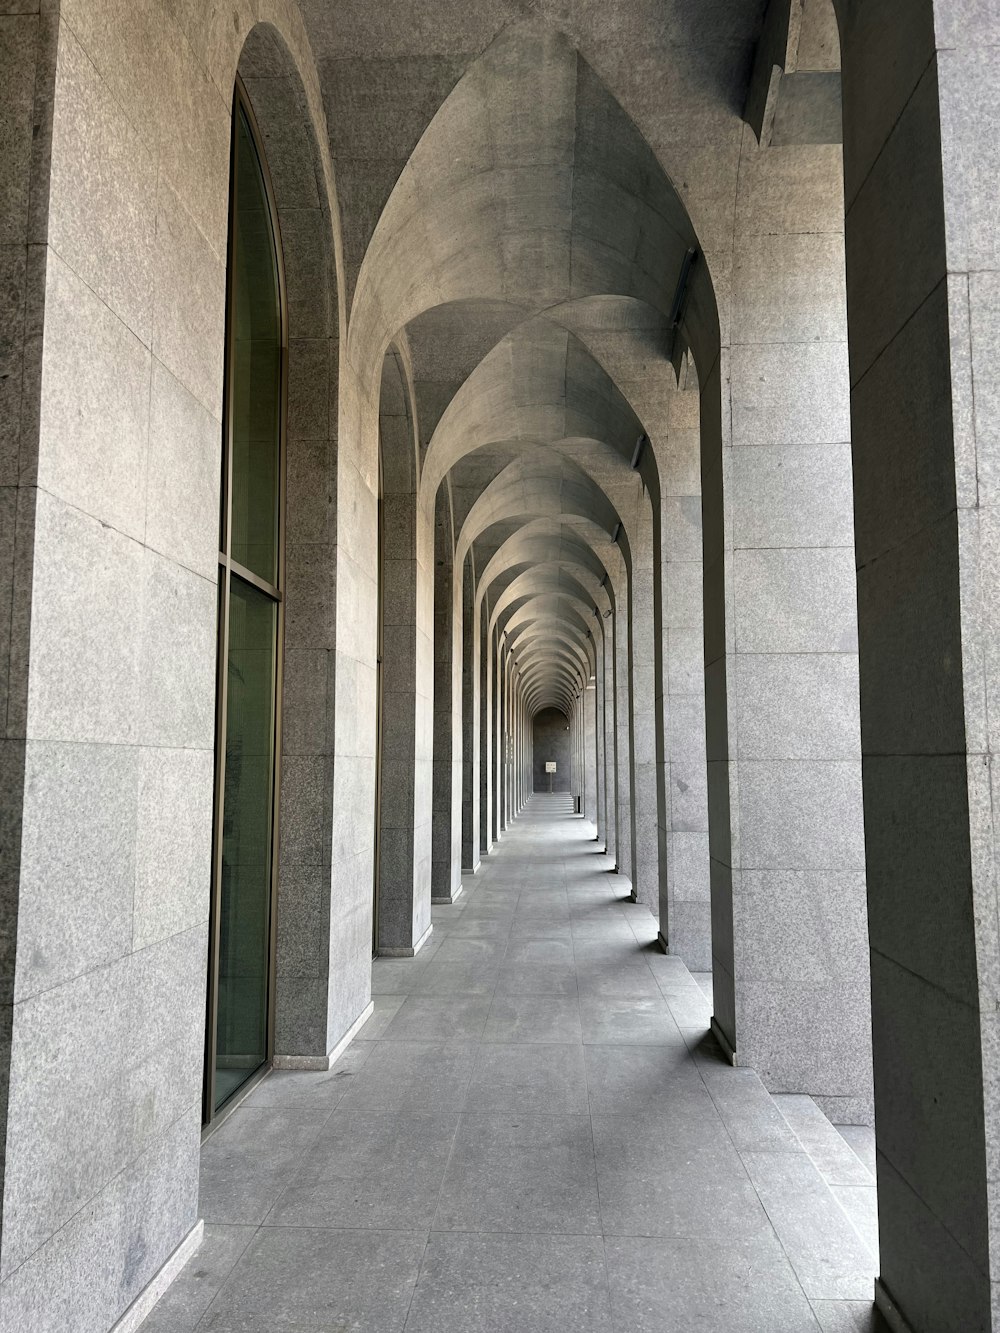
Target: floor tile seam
[
  {"x": 632, "y": 929},
  {"x": 279, "y": 1196},
  {"x": 607, "y": 1279},
  {"x": 523, "y": 1231},
  {"x": 781, "y": 1243},
  {"x": 254, "y": 1232},
  {"x": 306, "y": 1148},
  {"x": 683, "y": 992},
  {"x": 506, "y": 1113},
  {"x": 549, "y": 1232},
  {"x": 706, "y": 1019},
  {"x": 447, "y": 1168},
  {"x": 875, "y": 1256},
  {"x": 842, "y": 1141},
  {"x": 203, "y": 1320},
  {"x": 416, "y": 1281},
  {"x": 737, "y": 1150},
  {"x": 489, "y": 1014},
  {"x": 560, "y": 1113},
  {"x": 420, "y": 1041},
  {"x": 832, "y": 1186},
  {"x": 813, "y": 1300},
  {"x": 583, "y": 1041},
  {"x": 829, "y": 1175},
  {"x": 597, "y": 1184},
  {"x": 316, "y": 1228},
  {"x": 872, "y": 1176},
  {"x": 641, "y": 1045}
]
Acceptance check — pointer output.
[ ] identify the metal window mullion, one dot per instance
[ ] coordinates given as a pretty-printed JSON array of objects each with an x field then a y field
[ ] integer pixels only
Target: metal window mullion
[
  {"x": 222, "y": 665},
  {"x": 248, "y": 576},
  {"x": 227, "y": 568}
]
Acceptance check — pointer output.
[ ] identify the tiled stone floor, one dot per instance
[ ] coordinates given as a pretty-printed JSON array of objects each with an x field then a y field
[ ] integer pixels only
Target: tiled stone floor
[{"x": 532, "y": 1134}]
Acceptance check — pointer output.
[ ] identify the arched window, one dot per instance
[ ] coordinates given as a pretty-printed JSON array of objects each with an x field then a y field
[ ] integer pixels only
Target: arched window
[{"x": 251, "y": 576}]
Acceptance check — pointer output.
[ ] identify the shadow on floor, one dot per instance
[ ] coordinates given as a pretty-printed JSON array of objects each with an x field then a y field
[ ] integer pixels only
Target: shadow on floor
[{"x": 534, "y": 1133}]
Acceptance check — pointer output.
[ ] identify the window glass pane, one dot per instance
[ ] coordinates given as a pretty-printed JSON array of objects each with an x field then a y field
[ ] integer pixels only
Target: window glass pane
[
  {"x": 255, "y": 370},
  {"x": 245, "y": 898}
]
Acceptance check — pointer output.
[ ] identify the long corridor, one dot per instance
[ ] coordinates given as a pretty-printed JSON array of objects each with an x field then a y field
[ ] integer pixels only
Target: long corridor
[{"x": 534, "y": 1133}]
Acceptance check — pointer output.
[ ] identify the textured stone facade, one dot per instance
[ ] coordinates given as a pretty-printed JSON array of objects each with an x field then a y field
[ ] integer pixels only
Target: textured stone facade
[{"x": 663, "y": 333}]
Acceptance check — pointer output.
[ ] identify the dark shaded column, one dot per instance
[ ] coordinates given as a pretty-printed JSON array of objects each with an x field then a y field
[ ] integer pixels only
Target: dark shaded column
[{"x": 923, "y": 263}]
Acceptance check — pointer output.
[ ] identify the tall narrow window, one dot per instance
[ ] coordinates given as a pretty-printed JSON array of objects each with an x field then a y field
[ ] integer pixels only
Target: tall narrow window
[{"x": 251, "y": 572}]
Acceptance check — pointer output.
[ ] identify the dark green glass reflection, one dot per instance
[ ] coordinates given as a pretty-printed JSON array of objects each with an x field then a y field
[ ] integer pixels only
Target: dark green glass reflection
[
  {"x": 250, "y": 630},
  {"x": 245, "y": 897},
  {"x": 255, "y": 370}
]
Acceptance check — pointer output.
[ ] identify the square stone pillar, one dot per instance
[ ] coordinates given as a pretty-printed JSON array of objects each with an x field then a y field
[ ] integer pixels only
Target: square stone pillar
[
  {"x": 643, "y": 653},
  {"x": 590, "y": 751},
  {"x": 610, "y": 742},
  {"x": 685, "y": 892},
  {"x": 472, "y": 703},
  {"x": 921, "y": 87},
  {"x": 446, "y": 823},
  {"x": 789, "y": 947},
  {"x": 407, "y": 727},
  {"x": 623, "y": 742}
]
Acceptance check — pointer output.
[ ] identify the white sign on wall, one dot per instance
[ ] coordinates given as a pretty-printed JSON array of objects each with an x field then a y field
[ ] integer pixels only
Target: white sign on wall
[{"x": 550, "y": 766}]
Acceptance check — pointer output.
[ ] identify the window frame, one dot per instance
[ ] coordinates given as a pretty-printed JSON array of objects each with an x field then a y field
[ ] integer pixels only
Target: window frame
[{"x": 212, "y": 1116}]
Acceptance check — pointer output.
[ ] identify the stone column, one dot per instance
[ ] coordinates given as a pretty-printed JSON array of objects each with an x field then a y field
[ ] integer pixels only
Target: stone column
[
  {"x": 487, "y": 732},
  {"x": 923, "y": 266},
  {"x": 520, "y": 750},
  {"x": 446, "y": 823},
  {"x": 574, "y": 766},
  {"x": 109, "y": 540},
  {"x": 515, "y": 750},
  {"x": 623, "y": 742},
  {"x": 789, "y": 946},
  {"x": 471, "y": 705},
  {"x": 610, "y": 741},
  {"x": 643, "y": 655},
  {"x": 407, "y": 727},
  {"x": 503, "y": 747},
  {"x": 498, "y": 738},
  {"x": 511, "y": 774},
  {"x": 526, "y": 778},
  {"x": 499, "y": 685},
  {"x": 685, "y": 901},
  {"x": 590, "y": 756},
  {"x": 599, "y": 775}
]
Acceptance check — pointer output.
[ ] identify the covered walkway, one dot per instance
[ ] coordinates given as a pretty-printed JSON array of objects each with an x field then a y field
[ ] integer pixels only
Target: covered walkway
[
  {"x": 534, "y": 1132},
  {"x": 406, "y": 405}
]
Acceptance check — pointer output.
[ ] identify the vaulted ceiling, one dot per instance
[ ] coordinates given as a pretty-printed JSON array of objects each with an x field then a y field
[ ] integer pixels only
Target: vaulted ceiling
[{"x": 532, "y": 192}]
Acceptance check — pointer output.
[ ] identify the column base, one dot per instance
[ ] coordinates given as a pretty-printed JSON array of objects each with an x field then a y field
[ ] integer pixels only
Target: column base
[
  {"x": 409, "y": 951},
  {"x": 728, "y": 1050},
  {"x": 322, "y": 1063},
  {"x": 889, "y": 1310},
  {"x": 632, "y": 897},
  {"x": 472, "y": 870},
  {"x": 447, "y": 900},
  {"x": 661, "y": 940},
  {"x": 150, "y": 1294}
]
